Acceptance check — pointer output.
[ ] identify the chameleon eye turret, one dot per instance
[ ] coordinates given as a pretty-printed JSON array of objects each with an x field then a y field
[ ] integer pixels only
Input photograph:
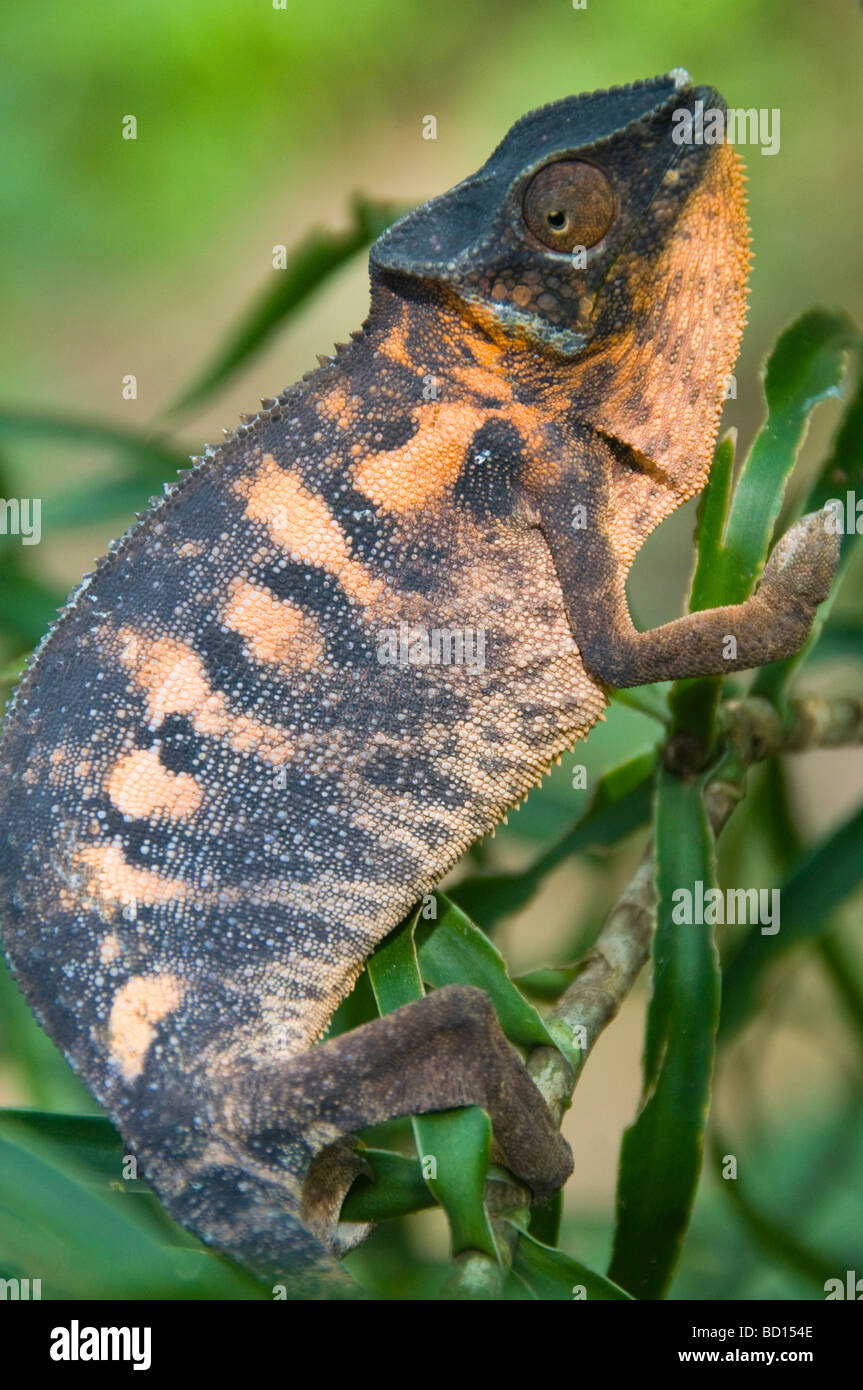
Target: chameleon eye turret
[{"x": 569, "y": 203}]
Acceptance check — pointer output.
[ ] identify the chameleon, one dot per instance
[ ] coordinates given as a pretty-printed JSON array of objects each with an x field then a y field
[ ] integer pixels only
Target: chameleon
[{"x": 253, "y": 740}]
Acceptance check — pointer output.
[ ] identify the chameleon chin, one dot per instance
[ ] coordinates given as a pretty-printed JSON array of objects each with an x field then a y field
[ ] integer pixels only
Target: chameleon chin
[{"x": 216, "y": 800}]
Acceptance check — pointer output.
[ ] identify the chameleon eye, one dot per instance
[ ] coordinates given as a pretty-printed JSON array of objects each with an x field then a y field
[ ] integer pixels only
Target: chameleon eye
[{"x": 569, "y": 204}]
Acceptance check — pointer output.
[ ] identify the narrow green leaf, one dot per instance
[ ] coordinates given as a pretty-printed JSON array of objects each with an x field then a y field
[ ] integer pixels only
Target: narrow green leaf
[
  {"x": 814, "y": 888},
  {"x": 359, "y": 1007},
  {"x": 394, "y": 972},
  {"x": 772, "y": 1235},
  {"x": 806, "y": 366},
  {"x": 620, "y": 805},
  {"x": 83, "y": 1244},
  {"x": 154, "y": 463},
  {"x": 843, "y": 973},
  {"x": 841, "y": 474},
  {"x": 544, "y": 1222},
  {"x": 647, "y": 699},
  {"x": 693, "y": 703},
  {"x": 551, "y": 1275},
  {"x": 27, "y": 606},
  {"x": 395, "y": 1189},
  {"x": 454, "y": 951},
  {"x": 149, "y": 450},
  {"x": 661, "y": 1151},
  {"x": 453, "y": 1147},
  {"x": 547, "y": 983},
  {"x": 710, "y": 525},
  {"x": 92, "y": 1139},
  {"x": 313, "y": 263},
  {"x": 116, "y": 499},
  {"x": 48, "y": 1079},
  {"x": 838, "y": 640}
]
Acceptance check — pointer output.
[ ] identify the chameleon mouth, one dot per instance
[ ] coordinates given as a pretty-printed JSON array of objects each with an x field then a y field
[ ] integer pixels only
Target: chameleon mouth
[{"x": 516, "y": 323}]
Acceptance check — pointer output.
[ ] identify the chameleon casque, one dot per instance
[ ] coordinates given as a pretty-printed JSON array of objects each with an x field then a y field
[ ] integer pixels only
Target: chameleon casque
[{"x": 217, "y": 799}]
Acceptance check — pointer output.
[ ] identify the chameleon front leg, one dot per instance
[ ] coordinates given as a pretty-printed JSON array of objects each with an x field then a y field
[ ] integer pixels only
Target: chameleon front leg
[
  {"x": 442, "y": 1051},
  {"x": 772, "y": 624}
]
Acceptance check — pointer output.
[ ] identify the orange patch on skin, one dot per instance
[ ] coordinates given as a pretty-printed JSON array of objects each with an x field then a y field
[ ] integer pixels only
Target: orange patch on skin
[
  {"x": 114, "y": 883},
  {"x": 276, "y": 632},
  {"x": 174, "y": 681},
  {"x": 483, "y": 381},
  {"x": 302, "y": 525},
  {"x": 109, "y": 949},
  {"x": 140, "y": 786},
  {"x": 334, "y": 405},
  {"x": 426, "y": 467},
  {"x": 394, "y": 347},
  {"x": 141, "y": 1003}
]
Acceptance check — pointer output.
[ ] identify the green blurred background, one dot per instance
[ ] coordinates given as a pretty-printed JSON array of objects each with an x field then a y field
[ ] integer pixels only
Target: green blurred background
[{"x": 255, "y": 126}]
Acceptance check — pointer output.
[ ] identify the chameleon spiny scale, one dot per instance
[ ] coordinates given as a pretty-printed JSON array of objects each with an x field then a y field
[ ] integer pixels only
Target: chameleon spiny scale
[{"x": 224, "y": 783}]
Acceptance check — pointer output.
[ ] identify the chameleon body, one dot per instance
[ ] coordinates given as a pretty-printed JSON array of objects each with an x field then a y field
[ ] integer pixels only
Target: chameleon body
[{"x": 242, "y": 754}]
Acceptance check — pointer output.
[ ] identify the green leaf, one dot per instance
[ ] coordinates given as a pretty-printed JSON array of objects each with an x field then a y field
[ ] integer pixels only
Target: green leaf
[
  {"x": 710, "y": 525},
  {"x": 310, "y": 267},
  {"x": 547, "y": 983},
  {"x": 85, "y": 1244},
  {"x": 620, "y": 804},
  {"x": 27, "y": 606},
  {"x": 841, "y": 473},
  {"x": 806, "y": 366},
  {"x": 693, "y": 702},
  {"x": 838, "y": 640},
  {"x": 396, "y": 1188},
  {"x": 453, "y": 1146},
  {"x": 771, "y": 1235},
  {"x": 661, "y": 1151},
  {"x": 154, "y": 463},
  {"x": 149, "y": 450},
  {"x": 844, "y": 975},
  {"x": 49, "y": 1080},
  {"x": 393, "y": 970},
  {"x": 651, "y": 700},
  {"x": 458, "y": 1143},
  {"x": 92, "y": 1139},
  {"x": 549, "y": 1274},
  {"x": 814, "y": 888},
  {"x": 454, "y": 951},
  {"x": 544, "y": 1222}
]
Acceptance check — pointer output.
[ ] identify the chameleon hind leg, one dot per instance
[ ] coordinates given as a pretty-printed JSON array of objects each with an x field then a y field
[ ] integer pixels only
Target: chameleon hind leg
[{"x": 442, "y": 1051}]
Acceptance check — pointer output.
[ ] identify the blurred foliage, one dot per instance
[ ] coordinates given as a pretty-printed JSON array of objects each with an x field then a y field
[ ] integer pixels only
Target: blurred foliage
[{"x": 217, "y": 99}]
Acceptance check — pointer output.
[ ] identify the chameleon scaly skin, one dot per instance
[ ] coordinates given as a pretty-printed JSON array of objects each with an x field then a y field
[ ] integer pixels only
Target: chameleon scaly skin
[{"x": 224, "y": 781}]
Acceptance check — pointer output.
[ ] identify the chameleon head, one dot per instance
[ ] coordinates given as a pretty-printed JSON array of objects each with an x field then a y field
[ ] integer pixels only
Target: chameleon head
[
  {"x": 544, "y": 237},
  {"x": 607, "y": 232}
]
